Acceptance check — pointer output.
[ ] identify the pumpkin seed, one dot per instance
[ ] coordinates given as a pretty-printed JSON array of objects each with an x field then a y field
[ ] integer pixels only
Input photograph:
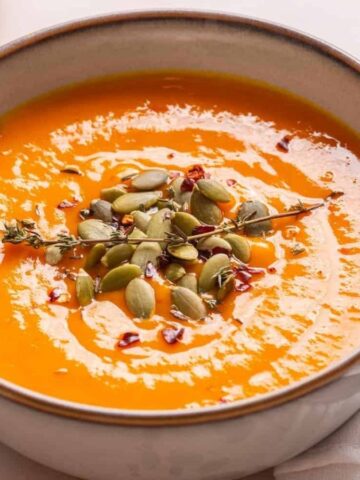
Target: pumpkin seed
[
  {"x": 53, "y": 255},
  {"x": 209, "y": 243},
  {"x": 213, "y": 190},
  {"x": 146, "y": 252},
  {"x": 210, "y": 271},
  {"x": 168, "y": 203},
  {"x": 186, "y": 222},
  {"x": 119, "y": 277},
  {"x": 179, "y": 196},
  {"x": 93, "y": 229},
  {"x": 160, "y": 225},
  {"x": 141, "y": 220},
  {"x": 117, "y": 255},
  {"x": 205, "y": 209},
  {"x": 149, "y": 180},
  {"x": 189, "y": 281},
  {"x": 140, "y": 298},
  {"x": 188, "y": 302},
  {"x": 226, "y": 288},
  {"x": 102, "y": 210},
  {"x": 136, "y": 233},
  {"x": 174, "y": 272},
  {"x": 240, "y": 247},
  {"x": 94, "y": 256},
  {"x": 183, "y": 251},
  {"x": 251, "y": 210},
  {"x": 112, "y": 193},
  {"x": 84, "y": 287},
  {"x": 135, "y": 201}
]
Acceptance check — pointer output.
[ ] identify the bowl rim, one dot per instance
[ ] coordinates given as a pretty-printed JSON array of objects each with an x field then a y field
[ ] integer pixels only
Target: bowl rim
[{"x": 175, "y": 417}]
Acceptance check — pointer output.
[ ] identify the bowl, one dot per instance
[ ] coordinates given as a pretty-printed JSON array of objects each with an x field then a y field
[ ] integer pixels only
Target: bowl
[{"x": 227, "y": 441}]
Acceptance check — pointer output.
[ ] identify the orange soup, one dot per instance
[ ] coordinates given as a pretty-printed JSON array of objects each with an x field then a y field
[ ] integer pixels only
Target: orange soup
[{"x": 282, "y": 308}]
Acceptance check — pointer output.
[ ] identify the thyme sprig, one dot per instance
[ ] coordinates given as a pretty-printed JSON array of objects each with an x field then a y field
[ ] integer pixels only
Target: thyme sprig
[{"x": 17, "y": 232}]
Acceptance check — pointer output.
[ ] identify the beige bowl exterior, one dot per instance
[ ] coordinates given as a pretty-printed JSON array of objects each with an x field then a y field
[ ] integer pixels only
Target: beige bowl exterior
[{"x": 228, "y": 441}]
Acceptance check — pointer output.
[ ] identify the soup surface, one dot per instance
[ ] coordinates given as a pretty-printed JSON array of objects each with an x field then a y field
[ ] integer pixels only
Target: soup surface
[{"x": 302, "y": 312}]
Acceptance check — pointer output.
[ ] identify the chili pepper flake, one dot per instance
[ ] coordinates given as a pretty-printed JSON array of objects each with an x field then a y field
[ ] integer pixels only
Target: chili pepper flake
[
  {"x": 196, "y": 172},
  {"x": 66, "y": 204},
  {"x": 283, "y": 144},
  {"x": 203, "y": 229},
  {"x": 150, "y": 270},
  {"x": 54, "y": 294},
  {"x": 129, "y": 338},
  {"x": 172, "y": 335},
  {"x": 187, "y": 185},
  {"x": 231, "y": 182}
]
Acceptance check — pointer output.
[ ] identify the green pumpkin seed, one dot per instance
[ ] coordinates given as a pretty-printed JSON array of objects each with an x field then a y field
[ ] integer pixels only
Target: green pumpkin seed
[
  {"x": 168, "y": 203},
  {"x": 117, "y": 255},
  {"x": 209, "y": 243},
  {"x": 189, "y": 281},
  {"x": 226, "y": 288},
  {"x": 135, "y": 201},
  {"x": 251, "y": 210},
  {"x": 205, "y": 209},
  {"x": 95, "y": 255},
  {"x": 140, "y": 298},
  {"x": 84, "y": 287},
  {"x": 185, "y": 222},
  {"x": 210, "y": 271},
  {"x": 119, "y": 277},
  {"x": 160, "y": 225},
  {"x": 102, "y": 210},
  {"x": 175, "y": 189},
  {"x": 188, "y": 302},
  {"x": 141, "y": 220},
  {"x": 213, "y": 190},
  {"x": 146, "y": 252},
  {"x": 136, "y": 233},
  {"x": 174, "y": 272},
  {"x": 53, "y": 255},
  {"x": 112, "y": 193},
  {"x": 240, "y": 247},
  {"x": 183, "y": 251},
  {"x": 93, "y": 229},
  {"x": 149, "y": 180}
]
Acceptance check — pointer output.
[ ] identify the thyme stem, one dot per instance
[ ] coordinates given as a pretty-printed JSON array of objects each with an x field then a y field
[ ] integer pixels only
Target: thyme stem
[{"x": 17, "y": 235}]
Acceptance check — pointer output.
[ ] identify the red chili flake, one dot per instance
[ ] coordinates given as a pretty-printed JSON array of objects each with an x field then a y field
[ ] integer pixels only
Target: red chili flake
[
  {"x": 230, "y": 182},
  {"x": 203, "y": 229},
  {"x": 187, "y": 185},
  {"x": 163, "y": 260},
  {"x": 170, "y": 156},
  {"x": 271, "y": 269},
  {"x": 242, "y": 287},
  {"x": 66, "y": 204},
  {"x": 196, "y": 172},
  {"x": 127, "y": 220},
  {"x": 172, "y": 335},
  {"x": 54, "y": 294},
  {"x": 173, "y": 174},
  {"x": 129, "y": 338},
  {"x": 150, "y": 270},
  {"x": 283, "y": 144},
  {"x": 223, "y": 400}
]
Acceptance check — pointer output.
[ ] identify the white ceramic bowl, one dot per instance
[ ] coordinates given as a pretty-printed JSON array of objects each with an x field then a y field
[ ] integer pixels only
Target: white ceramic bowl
[{"x": 223, "y": 442}]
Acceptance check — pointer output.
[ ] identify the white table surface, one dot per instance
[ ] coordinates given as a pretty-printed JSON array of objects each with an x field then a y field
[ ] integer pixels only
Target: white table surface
[{"x": 337, "y": 21}]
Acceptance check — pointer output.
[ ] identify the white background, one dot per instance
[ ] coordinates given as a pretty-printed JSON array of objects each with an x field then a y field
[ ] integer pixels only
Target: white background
[{"x": 337, "y": 21}]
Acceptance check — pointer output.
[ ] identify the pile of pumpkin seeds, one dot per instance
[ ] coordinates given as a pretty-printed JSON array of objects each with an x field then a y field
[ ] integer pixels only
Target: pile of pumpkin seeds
[{"x": 150, "y": 205}]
